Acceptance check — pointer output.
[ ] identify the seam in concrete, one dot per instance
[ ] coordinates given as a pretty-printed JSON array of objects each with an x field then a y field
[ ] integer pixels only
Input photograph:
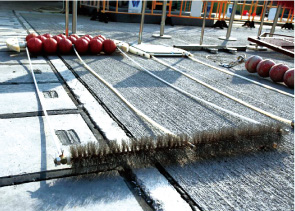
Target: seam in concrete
[{"x": 38, "y": 113}]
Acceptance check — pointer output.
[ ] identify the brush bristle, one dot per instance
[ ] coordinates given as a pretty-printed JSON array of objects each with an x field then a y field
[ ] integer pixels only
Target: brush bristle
[{"x": 178, "y": 149}]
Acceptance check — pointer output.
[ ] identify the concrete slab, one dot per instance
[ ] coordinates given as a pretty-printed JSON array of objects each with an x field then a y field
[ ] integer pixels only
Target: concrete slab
[
  {"x": 19, "y": 58},
  {"x": 29, "y": 146},
  {"x": 22, "y": 74},
  {"x": 164, "y": 195},
  {"x": 106, "y": 192},
  {"x": 22, "y": 98}
]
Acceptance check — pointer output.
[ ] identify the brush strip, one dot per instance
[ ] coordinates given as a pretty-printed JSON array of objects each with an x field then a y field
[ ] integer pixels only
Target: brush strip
[{"x": 170, "y": 149}]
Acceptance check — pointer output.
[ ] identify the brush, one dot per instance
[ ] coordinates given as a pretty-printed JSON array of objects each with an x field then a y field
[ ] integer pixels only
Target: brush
[{"x": 174, "y": 149}]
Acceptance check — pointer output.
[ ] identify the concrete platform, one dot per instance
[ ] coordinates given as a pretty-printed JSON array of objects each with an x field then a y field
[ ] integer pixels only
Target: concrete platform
[
  {"x": 19, "y": 58},
  {"x": 31, "y": 149},
  {"x": 22, "y": 98},
  {"x": 106, "y": 192},
  {"x": 22, "y": 74}
]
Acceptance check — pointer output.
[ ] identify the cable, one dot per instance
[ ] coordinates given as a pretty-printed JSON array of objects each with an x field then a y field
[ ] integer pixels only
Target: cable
[
  {"x": 190, "y": 95},
  {"x": 225, "y": 94},
  {"x": 115, "y": 91},
  {"x": 239, "y": 76},
  {"x": 41, "y": 99}
]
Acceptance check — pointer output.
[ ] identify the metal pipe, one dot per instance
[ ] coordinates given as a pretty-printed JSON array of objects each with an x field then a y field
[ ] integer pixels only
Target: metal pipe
[
  {"x": 74, "y": 17},
  {"x": 262, "y": 18},
  {"x": 163, "y": 17},
  {"x": 67, "y": 17},
  {"x": 142, "y": 21},
  {"x": 231, "y": 20},
  {"x": 275, "y": 21},
  {"x": 204, "y": 22}
]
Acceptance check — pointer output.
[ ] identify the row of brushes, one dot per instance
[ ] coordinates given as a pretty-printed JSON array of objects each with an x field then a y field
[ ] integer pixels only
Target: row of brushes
[{"x": 170, "y": 149}]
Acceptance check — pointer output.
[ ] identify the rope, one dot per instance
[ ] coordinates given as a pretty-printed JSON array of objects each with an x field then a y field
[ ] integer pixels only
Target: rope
[
  {"x": 239, "y": 76},
  {"x": 190, "y": 95},
  {"x": 225, "y": 94},
  {"x": 41, "y": 99},
  {"x": 115, "y": 91}
]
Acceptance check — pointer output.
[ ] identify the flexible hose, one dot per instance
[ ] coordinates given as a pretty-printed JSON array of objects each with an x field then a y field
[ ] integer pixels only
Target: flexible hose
[
  {"x": 190, "y": 95},
  {"x": 115, "y": 91},
  {"x": 41, "y": 99},
  {"x": 225, "y": 94},
  {"x": 239, "y": 76}
]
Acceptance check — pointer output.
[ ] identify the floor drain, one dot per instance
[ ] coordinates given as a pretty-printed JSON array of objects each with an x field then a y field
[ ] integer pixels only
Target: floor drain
[
  {"x": 50, "y": 94},
  {"x": 68, "y": 137}
]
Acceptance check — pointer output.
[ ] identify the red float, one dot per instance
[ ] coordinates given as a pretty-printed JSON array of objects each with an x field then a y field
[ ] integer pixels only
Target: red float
[
  {"x": 82, "y": 45},
  {"x": 263, "y": 67},
  {"x": 65, "y": 46},
  {"x": 289, "y": 78},
  {"x": 32, "y": 35},
  {"x": 109, "y": 46},
  {"x": 41, "y": 37},
  {"x": 47, "y": 35},
  {"x": 252, "y": 63},
  {"x": 73, "y": 39},
  {"x": 75, "y": 35},
  {"x": 101, "y": 36},
  {"x": 62, "y": 36},
  {"x": 95, "y": 46},
  {"x": 50, "y": 46},
  {"x": 57, "y": 38},
  {"x": 86, "y": 38},
  {"x": 277, "y": 72},
  {"x": 35, "y": 45},
  {"x": 89, "y": 36}
]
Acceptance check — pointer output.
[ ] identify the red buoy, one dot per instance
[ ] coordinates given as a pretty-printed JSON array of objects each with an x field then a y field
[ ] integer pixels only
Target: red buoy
[
  {"x": 47, "y": 35},
  {"x": 75, "y": 35},
  {"x": 41, "y": 37},
  {"x": 62, "y": 36},
  {"x": 95, "y": 46},
  {"x": 101, "y": 36},
  {"x": 35, "y": 45},
  {"x": 109, "y": 46},
  {"x": 57, "y": 38},
  {"x": 65, "y": 46},
  {"x": 252, "y": 63},
  {"x": 89, "y": 36},
  {"x": 277, "y": 72},
  {"x": 32, "y": 35},
  {"x": 50, "y": 46},
  {"x": 289, "y": 78},
  {"x": 86, "y": 38},
  {"x": 73, "y": 39},
  {"x": 82, "y": 45},
  {"x": 264, "y": 66}
]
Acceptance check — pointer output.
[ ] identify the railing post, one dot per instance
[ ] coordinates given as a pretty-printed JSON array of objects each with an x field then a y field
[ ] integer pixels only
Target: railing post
[
  {"x": 262, "y": 18},
  {"x": 74, "y": 17},
  {"x": 230, "y": 25},
  {"x": 142, "y": 21},
  {"x": 67, "y": 17},
  {"x": 275, "y": 20},
  {"x": 164, "y": 10},
  {"x": 204, "y": 22}
]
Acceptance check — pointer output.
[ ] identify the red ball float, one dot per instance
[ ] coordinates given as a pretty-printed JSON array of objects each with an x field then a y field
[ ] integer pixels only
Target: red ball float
[
  {"x": 32, "y": 35},
  {"x": 47, "y": 35},
  {"x": 252, "y": 63},
  {"x": 277, "y": 72},
  {"x": 95, "y": 46},
  {"x": 75, "y": 35},
  {"x": 62, "y": 36},
  {"x": 86, "y": 38},
  {"x": 35, "y": 45},
  {"x": 82, "y": 45},
  {"x": 109, "y": 46},
  {"x": 263, "y": 67},
  {"x": 57, "y": 38},
  {"x": 50, "y": 46},
  {"x": 289, "y": 78},
  {"x": 89, "y": 36},
  {"x": 41, "y": 37},
  {"x": 65, "y": 46},
  {"x": 73, "y": 39}
]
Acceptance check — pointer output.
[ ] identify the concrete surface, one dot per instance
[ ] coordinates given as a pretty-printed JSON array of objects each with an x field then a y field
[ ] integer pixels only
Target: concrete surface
[{"x": 255, "y": 181}]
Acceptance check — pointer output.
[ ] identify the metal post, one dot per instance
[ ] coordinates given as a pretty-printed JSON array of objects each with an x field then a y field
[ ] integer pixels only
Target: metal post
[
  {"x": 141, "y": 22},
  {"x": 204, "y": 22},
  {"x": 262, "y": 18},
  {"x": 74, "y": 17},
  {"x": 67, "y": 17},
  {"x": 275, "y": 21},
  {"x": 231, "y": 20},
  {"x": 161, "y": 35}
]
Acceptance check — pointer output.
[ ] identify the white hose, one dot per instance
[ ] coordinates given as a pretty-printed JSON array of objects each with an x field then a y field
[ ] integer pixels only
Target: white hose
[
  {"x": 41, "y": 99},
  {"x": 190, "y": 95},
  {"x": 239, "y": 76},
  {"x": 114, "y": 90},
  {"x": 225, "y": 94}
]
